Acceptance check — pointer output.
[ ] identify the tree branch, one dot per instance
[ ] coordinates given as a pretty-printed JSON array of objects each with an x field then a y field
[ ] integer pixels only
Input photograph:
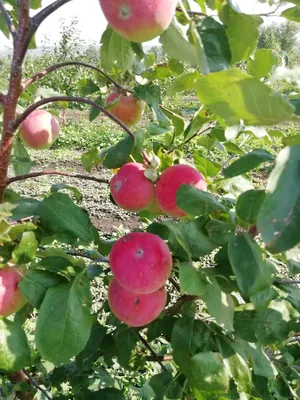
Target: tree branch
[
  {"x": 2, "y": 97},
  {"x": 43, "y": 14},
  {"x": 43, "y": 102},
  {"x": 198, "y": 133},
  {"x": 196, "y": 13},
  {"x": 9, "y": 23},
  {"x": 175, "y": 308},
  {"x": 55, "y": 67},
  {"x": 154, "y": 355},
  {"x": 19, "y": 178},
  {"x": 36, "y": 385},
  {"x": 99, "y": 258},
  {"x": 286, "y": 282}
]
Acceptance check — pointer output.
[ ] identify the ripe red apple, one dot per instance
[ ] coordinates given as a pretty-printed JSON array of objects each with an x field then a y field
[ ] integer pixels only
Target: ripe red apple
[
  {"x": 130, "y": 189},
  {"x": 139, "y": 20},
  {"x": 170, "y": 181},
  {"x": 141, "y": 262},
  {"x": 135, "y": 309},
  {"x": 11, "y": 298},
  {"x": 128, "y": 109},
  {"x": 39, "y": 130}
]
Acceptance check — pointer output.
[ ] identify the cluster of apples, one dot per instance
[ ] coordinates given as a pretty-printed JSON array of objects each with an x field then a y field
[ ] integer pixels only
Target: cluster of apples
[
  {"x": 133, "y": 191},
  {"x": 11, "y": 298},
  {"x": 141, "y": 263}
]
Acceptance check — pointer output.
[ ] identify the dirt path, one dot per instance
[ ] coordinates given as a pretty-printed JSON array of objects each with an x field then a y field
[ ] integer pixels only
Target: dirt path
[{"x": 104, "y": 214}]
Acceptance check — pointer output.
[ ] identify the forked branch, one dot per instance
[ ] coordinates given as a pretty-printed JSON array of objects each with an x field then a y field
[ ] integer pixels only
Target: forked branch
[
  {"x": 9, "y": 23},
  {"x": 73, "y": 99},
  {"x": 45, "y": 12},
  {"x": 55, "y": 67}
]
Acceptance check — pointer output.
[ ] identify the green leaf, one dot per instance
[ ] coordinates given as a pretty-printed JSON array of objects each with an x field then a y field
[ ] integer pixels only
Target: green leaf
[
  {"x": 219, "y": 231},
  {"x": 215, "y": 43},
  {"x": 273, "y": 325},
  {"x": 196, "y": 202},
  {"x": 21, "y": 160},
  {"x": 293, "y": 260},
  {"x": 219, "y": 304},
  {"x": 207, "y": 373},
  {"x": 184, "y": 83},
  {"x": 192, "y": 281},
  {"x": 247, "y": 163},
  {"x": 92, "y": 350},
  {"x": 254, "y": 102},
  {"x": 87, "y": 86},
  {"x": 64, "y": 219},
  {"x": 261, "y": 363},
  {"x": 262, "y": 63},
  {"x": 240, "y": 373},
  {"x": 125, "y": 341},
  {"x": 35, "y": 284},
  {"x": 177, "y": 47},
  {"x": 94, "y": 112},
  {"x": 105, "y": 394},
  {"x": 62, "y": 186},
  {"x": 178, "y": 120},
  {"x": 252, "y": 273},
  {"x": 248, "y": 206},
  {"x": 292, "y": 14},
  {"x": 116, "y": 156},
  {"x": 151, "y": 95},
  {"x": 165, "y": 386},
  {"x": 279, "y": 216},
  {"x": 14, "y": 349},
  {"x": 240, "y": 25},
  {"x": 25, "y": 251},
  {"x": 64, "y": 322},
  {"x": 206, "y": 166},
  {"x": 115, "y": 51}
]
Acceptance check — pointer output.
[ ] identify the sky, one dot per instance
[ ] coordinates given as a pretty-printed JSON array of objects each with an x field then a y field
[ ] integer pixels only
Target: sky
[{"x": 91, "y": 21}]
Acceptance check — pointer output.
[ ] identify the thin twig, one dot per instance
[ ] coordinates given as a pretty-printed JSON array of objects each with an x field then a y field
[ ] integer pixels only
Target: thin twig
[
  {"x": 196, "y": 13},
  {"x": 175, "y": 284},
  {"x": 73, "y": 99},
  {"x": 176, "y": 308},
  {"x": 36, "y": 385},
  {"x": 53, "y": 68},
  {"x": 2, "y": 97},
  {"x": 155, "y": 356},
  {"x": 9, "y": 23},
  {"x": 286, "y": 282},
  {"x": 166, "y": 358},
  {"x": 54, "y": 172},
  {"x": 99, "y": 258},
  {"x": 198, "y": 133}
]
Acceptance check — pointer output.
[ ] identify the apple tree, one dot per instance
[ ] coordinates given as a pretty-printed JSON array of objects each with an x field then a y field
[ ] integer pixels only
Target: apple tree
[{"x": 204, "y": 302}]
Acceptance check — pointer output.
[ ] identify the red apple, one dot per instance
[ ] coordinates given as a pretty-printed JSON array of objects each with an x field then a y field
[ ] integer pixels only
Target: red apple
[
  {"x": 135, "y": 309},
  {"x": 141, "y": 262},
  {"x": 139, "y": 20},
  {"x": 39, "y": 130},
  {"x": 130, "y": 189},
  {"x": 170, "y": 181},
  {"x": 11, "y": 298},
  {"x": 127, "y": 109}
]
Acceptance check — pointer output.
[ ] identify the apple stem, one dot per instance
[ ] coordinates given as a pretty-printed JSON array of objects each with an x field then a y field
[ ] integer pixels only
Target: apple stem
[{"x": 55, "y": 67}]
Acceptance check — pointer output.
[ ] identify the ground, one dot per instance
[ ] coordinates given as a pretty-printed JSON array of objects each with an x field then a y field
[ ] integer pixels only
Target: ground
[{"x": 107, "y": 218}]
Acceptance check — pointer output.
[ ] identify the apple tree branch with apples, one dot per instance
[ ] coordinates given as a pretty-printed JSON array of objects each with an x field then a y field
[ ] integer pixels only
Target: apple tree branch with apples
[{"x": 170, "y": 325}]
